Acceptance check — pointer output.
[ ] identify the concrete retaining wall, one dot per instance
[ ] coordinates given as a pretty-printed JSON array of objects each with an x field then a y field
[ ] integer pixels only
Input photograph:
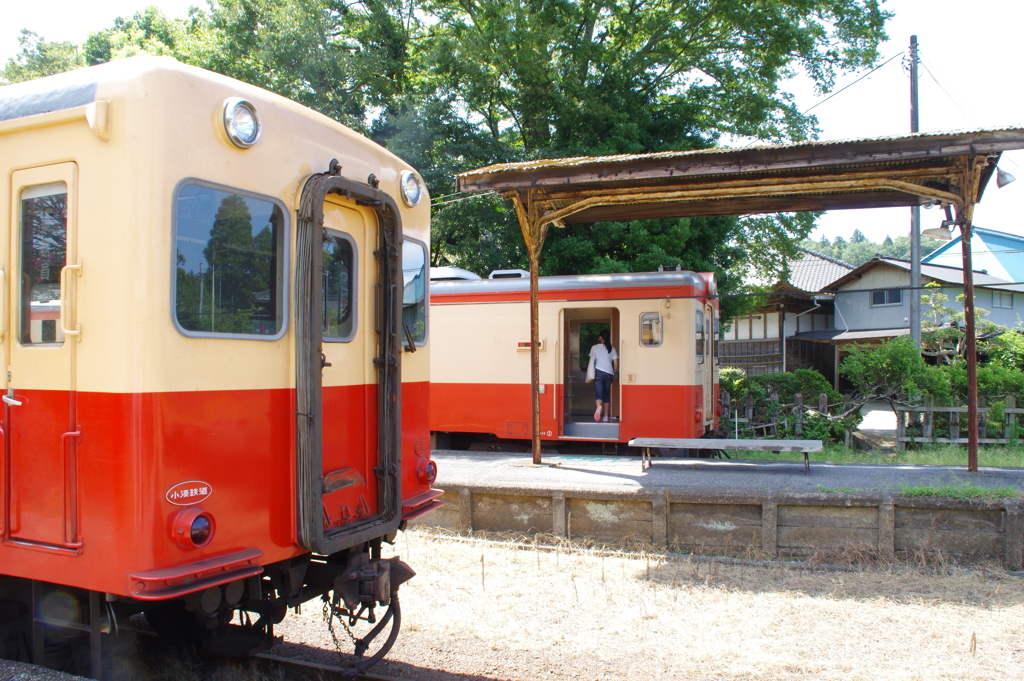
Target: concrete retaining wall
[{"x": 778, "y": 525}]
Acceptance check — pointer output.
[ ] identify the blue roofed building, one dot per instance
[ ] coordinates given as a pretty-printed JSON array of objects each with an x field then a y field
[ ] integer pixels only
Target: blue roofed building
[{"x": 998, "y": 254}]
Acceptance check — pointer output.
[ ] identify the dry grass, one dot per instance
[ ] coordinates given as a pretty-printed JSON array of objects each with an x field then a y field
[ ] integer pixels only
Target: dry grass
[{"x": 513, "y": 610}]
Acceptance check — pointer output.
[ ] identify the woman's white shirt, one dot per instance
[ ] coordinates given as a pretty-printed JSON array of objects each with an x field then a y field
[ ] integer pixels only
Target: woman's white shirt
[{"x": 603, "y": 358}]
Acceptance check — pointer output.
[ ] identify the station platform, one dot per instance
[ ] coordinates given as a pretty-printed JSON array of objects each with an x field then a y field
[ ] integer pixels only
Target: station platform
[{"x": 714, "y": 505}]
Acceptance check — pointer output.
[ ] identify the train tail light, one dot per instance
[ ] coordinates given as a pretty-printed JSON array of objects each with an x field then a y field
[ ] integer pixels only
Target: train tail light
[
  {"x": 426, "y": 471},
  {"x": 192, "y": 528},
  {"x": 698, "y": 416}
]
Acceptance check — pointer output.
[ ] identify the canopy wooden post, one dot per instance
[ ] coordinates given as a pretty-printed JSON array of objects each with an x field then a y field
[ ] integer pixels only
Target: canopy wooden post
[
  {"x": 970, "y": 184},
  {"x": 533, "y": 234}
]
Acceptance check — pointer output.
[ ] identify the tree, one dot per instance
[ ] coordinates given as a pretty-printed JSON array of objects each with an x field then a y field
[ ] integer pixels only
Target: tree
[
  {"x": 858, "y": 237},
  {"x": 893, "y": 371},
  {"x": 943, "y": 333},
  {"x": 38, "y": 57}
]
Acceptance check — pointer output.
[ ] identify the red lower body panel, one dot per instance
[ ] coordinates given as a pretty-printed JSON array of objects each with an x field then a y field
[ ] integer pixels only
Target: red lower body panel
[
  {"x": 504, "y": 410},
  {"x": 142, "y": 459}
]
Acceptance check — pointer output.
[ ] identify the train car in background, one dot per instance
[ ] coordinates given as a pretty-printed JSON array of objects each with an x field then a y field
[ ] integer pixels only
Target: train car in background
[
  {"x": 213, "y": 315},
  {"x": 663, "y": 326}
]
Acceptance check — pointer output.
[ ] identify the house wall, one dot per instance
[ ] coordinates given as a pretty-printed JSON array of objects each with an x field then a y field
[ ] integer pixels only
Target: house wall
[{"x": 854, "y": 310}]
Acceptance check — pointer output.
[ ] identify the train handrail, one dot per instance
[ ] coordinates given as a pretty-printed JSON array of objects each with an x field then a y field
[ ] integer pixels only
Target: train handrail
[{"x": 77, "y": 331}]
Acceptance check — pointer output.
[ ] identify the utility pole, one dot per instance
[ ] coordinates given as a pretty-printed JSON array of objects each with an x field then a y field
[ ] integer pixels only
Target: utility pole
[{"x": 915, "y": 214}]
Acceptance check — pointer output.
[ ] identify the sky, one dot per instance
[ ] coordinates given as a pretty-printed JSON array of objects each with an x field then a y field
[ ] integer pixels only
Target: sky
[{"x": 969, "y": 51}]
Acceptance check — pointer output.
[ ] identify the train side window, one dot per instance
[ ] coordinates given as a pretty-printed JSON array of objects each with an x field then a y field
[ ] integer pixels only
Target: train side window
[
  {"x": 339, "y": 287},
  {"x": 699, "y": 326},
  {"x": 414, "y": 301},
  {"x": 44, "y": 235},
  {"x": 230, "y": 260},
  {"x": 650, "y": 329}
]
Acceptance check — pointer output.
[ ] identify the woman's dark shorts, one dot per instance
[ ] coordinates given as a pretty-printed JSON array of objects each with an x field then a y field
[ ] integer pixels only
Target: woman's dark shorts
[{"x": 603, "y": 384}]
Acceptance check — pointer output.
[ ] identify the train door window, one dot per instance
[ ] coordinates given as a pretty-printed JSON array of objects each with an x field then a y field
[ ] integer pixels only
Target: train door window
[
  {"x": 230, "y": 261},
  {"x": 651, "y": 334},
  {"x": 44, "y": 235},
  {"x": 699, "y": 327},
  {"x": 716, "y": 333},
  {"x": 339, "y": 287},
  {"x": 414, "y": 301}
]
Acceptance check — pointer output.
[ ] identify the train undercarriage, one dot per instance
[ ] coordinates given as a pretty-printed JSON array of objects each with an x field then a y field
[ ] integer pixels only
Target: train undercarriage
[{"x": 93, "y": 634}]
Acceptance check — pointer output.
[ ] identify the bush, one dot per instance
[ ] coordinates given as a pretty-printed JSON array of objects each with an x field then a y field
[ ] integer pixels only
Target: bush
[{"x": 809, "y": 383}]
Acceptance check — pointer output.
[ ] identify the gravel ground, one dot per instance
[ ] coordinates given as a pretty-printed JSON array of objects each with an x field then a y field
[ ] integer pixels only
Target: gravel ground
[
  {"x": 481, "y": 609},
  {"x": 16, "y": 671},
  {"x": 517, "y": 609}
]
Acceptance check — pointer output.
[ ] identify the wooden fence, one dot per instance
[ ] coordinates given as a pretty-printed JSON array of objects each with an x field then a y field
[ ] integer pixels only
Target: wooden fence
[{"x": 922, "y": 420}]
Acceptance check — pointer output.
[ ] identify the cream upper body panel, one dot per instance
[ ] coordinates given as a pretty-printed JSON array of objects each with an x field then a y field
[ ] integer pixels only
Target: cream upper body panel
[
  {"x": 478, "y": 342},
  {"x": 164, "y": 125}
]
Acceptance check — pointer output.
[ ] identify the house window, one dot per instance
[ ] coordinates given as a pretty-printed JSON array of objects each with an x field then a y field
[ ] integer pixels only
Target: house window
[
  {"x": 1002, "y": 299},
  {"x": 889, "y": 296}
]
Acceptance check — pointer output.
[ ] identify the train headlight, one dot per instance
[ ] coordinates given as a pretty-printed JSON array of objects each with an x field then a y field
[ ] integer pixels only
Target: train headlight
[
  {"x": 192, "y": 528},
  {"x": 241, "y": 122},
  {"x": 412, "y": 188}
]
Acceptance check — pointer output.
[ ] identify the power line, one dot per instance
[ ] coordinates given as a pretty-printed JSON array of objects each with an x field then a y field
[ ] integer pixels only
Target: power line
[{"x": 838, "y": 92}]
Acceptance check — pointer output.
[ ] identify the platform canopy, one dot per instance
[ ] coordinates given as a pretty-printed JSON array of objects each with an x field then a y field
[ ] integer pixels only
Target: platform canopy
[
  {"x": 867, "y": 173},
  {"x": 949, "y": 169}
]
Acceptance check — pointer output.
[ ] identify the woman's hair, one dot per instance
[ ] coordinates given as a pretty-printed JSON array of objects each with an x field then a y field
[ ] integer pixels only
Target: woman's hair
[{"x": 607, "y": 336}]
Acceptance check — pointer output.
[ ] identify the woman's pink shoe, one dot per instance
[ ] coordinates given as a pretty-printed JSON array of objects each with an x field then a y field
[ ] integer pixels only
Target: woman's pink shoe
[{"x": 597, "y": 414}]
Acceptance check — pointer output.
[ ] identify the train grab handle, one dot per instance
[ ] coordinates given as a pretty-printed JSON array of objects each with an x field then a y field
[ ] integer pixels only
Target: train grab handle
[{"x": 77, "y": 331}]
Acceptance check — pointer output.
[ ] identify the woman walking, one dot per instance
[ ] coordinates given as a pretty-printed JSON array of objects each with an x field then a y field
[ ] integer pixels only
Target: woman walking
[{"x": 606, "y": 365}]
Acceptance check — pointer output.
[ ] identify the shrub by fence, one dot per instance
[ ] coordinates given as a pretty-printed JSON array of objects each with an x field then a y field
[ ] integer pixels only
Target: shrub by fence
[
  {"x": 816, "y": 420},
  {"x": 928, "y": 423}
]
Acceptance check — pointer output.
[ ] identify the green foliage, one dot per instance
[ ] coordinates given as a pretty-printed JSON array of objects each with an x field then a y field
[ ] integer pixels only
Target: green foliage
[
  {"x": 894, "y": 371},
  {"x": 858, "y": 250},
  {"x": 38, "y": 57},
  {"x": 454, "y": 85},
  {"x": 943, "y": 333},
  {"x": 959, "y": 491},
  {"x": 1010, "y": 352},
  {"x": 774, "y": 397}
]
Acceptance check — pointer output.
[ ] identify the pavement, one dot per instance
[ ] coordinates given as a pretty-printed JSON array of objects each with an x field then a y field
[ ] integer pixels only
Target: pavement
[{"x": 623, "y": 474}]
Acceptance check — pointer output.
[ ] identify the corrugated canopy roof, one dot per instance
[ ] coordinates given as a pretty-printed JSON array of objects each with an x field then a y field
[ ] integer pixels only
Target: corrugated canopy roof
[{"x": 829, "y": 175}]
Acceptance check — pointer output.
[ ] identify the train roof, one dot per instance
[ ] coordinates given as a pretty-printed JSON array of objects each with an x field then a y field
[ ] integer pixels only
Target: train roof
[
  {"x": 703, "y": 282},
  {"x": 135, "y": 77}
]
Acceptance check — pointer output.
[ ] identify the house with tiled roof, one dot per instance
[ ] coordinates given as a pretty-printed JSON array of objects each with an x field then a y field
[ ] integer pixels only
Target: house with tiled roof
[{"x": 769, "y": 339}]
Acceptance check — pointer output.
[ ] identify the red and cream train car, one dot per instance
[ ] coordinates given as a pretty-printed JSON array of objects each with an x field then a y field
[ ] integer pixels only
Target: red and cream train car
[
  {"x": 209, "y": 299},
  {"x": 663, "y": 326}
]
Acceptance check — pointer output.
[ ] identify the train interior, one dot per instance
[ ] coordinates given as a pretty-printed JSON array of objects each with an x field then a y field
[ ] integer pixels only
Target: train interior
[{"x": 580, "y": 330}]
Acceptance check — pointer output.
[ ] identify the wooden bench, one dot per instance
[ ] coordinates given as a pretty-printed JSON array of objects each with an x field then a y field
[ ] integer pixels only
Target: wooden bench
[{"x": 648, "y": 443}]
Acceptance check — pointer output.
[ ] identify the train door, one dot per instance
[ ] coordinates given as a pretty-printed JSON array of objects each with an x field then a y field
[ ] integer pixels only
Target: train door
[
  {"x": 580, "y": 331},
  {"x": 704, "y": 363},
  {"x": 347, "y": 388},
  {"x": 348, "y": 307},
  {"x": 40, "y": 335}
]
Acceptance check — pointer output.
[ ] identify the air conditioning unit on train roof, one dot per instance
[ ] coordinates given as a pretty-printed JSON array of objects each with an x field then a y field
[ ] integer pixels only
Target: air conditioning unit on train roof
[{"x": 509, "y": 274}]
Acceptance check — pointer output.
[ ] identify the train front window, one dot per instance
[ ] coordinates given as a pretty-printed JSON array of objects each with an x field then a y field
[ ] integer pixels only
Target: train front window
[
  {"x": 414, "y": 301},
  {"x": 338, "y": 290},
  {"x": 44, "y": 237},
  {"x": 229, "y": 263}
]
